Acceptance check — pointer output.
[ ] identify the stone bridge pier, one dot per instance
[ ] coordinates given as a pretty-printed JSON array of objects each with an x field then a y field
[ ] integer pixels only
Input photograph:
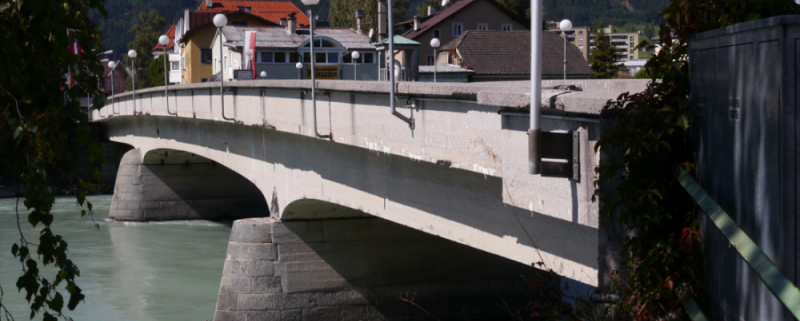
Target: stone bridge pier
[{"x": 362, "y": 269}]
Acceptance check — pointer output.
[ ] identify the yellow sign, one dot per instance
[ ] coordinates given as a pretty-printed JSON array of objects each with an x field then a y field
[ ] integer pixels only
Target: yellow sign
[{"x": 324, "y": 73}]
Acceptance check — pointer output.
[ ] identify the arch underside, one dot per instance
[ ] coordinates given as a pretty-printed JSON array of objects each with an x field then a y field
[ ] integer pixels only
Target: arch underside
[{"x": 306, "y": 178}]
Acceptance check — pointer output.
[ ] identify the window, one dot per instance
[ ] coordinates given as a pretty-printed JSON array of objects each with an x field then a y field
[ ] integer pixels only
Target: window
[
  {"x": 239, "y": 23},
  {"x": 580, "y": 32},
  {"x": 319, "y": 57},
  {"x": 580, "y": 39},
  {"x": 630, "y": 57},
  {"x": 307, "y": 57},
  {"x": 205, "y": 56},
  {"x": 116, "y": 72},
  {"x": 437, "y": 33},
  {"x": 203, "y": 79},
  {"x": 367, "y": 57},
  {"x": 506, "y": 27},
  {"x": 580, "y": 47},
  {"x": 333, "y": 57},
  {"x": 631, "y": 38},
  {"x": 294, "y": 57},
  {"x": 348, "y": 59},
  {"x": 266, "y": 57},
  {"x": 176, "y": 65},
  {"x": 280, "y": 57},
  {"x": 631, "y": 51},
  {"x": 430, "y": 60},
  {"x": 483, "y": 26},
  {"x": 458, "y": 28}
]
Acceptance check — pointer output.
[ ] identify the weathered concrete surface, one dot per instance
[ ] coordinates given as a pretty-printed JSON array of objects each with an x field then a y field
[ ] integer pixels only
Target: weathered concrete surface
[
  {"x": 461, "y": 174},
  {"x": 362, "y": 269},
  {"x": 181, "y": 190}
]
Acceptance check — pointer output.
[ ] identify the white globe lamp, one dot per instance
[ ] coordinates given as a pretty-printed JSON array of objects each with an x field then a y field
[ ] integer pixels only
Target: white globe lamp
[
  {"x": 263, "y": 74},
  {"x": 112, "y": 64},
  {"x": 435, "y": 43},
  {"x": 565, "y": 25},
  {"x": 163, "y": 40},
  {"x": 132, "y": 53},
  {"x": 220, "y": 20},
  {"x": 310, "y": 3},
  {"x": 299, "y": 65}
]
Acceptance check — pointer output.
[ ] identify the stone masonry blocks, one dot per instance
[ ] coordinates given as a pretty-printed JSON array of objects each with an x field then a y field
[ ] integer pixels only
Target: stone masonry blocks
[{"x": 288, "y": 271}]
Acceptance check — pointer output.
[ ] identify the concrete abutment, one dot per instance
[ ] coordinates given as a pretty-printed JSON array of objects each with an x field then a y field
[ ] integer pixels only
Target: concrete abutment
[{"x": 362, "y": 269}]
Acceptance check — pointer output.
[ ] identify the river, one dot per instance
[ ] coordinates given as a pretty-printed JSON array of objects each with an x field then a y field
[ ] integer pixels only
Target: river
[{"x": 129, "y": 271}]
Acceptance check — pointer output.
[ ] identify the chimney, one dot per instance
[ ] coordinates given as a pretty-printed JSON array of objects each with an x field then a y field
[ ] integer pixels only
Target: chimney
[
  {"x": 416, "y": 23},
  {"x": 248, "y": 9},
  {"x": 240, "y": 8},
  {"x": 383, "y": 32},
  {"x": 432, "y": 8},
  {"x": 291, "y": 24},
  {"x": 359, "y": 19},
  {"x": 283, "y": 22},
  {"x": 209, "y": 4}
]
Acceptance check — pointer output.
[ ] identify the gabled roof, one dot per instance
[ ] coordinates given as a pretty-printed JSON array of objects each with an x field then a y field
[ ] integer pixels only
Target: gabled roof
[
  {"x": 171, "y": 35},
  {"x": 276, "y": 37},
  {"x": 495, "y": 52},
  {"x": 432, "y": 21},
  {"x": 269, "y": 10},
  {"x": 198, "y": 20}
]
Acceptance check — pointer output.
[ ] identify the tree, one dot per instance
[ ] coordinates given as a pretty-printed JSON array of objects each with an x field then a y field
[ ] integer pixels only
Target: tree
[
  {"x": 602, "y": 57},
  {"x": 41, "y": 114},
  {"x": 147, "y": 35},
  {"x": 342, "y": 13},
  {"x": 155, "y": 72},
  {"x": 518, "y": 8}
]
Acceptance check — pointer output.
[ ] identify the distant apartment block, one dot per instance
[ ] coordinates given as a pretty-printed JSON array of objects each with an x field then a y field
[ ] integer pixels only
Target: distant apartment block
[
  {"x": 579, "y": 37},
  {"x": 625, "y": 42}
]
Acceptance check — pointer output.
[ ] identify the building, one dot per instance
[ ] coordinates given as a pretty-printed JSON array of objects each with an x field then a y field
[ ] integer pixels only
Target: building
[
  {"x": 195, "y": 31},
  {"x": 506, "y": 55},
  {"x": 173, "y": 54},
  {"x": 115, "y": 80},
  {"x": 625, "y": 42},
  {"x": 578, "y": 36},
  {"x": 279, "y": 49},
  {"x": 454, "y": 20}
]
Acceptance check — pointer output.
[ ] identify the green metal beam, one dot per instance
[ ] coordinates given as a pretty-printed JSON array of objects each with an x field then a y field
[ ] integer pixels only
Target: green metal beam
[{"x": 778, "y": 283}]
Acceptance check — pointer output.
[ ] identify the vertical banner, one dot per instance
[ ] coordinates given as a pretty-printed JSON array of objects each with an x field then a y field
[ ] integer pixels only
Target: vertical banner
[
  {"x": 74, "y": 49},
  {"x": 250, "y": 51}
]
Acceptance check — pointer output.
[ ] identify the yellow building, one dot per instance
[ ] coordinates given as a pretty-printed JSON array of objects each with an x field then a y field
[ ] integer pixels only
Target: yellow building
[{"x": 196, "y": 53}]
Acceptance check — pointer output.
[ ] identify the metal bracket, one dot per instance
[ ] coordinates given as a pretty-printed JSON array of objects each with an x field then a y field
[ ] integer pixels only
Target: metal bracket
[{"x": 564, "y": 147}]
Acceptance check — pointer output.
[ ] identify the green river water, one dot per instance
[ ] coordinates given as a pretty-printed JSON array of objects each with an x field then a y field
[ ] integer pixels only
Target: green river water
[{"x": 129, "y": 271}]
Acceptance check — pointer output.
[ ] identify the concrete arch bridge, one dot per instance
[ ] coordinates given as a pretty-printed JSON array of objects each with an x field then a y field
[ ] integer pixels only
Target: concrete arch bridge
[{"x": 342, "y": 227}]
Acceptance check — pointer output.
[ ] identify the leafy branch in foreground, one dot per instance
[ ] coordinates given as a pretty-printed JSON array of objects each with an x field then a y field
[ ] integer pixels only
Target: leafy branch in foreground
[{"x": 41, "y": 118}]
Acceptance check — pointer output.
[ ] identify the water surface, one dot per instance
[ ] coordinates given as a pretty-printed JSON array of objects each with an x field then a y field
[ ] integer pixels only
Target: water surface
[{"x": 129, "y": 271}]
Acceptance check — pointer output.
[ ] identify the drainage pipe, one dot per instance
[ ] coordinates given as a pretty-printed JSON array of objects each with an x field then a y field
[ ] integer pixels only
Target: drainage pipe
[
  {"x": 535, "y": 129},
  {"x": 390, "y": 55}
]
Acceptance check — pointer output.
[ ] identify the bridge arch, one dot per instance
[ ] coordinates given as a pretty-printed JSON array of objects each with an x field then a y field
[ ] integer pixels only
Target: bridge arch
[{"x": 168, "y": 184}]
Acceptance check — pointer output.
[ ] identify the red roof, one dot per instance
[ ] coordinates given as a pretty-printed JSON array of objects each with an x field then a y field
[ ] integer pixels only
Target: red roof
[
  {"x": 268, "y": 10},
  {"x": 171, "y": 35}
]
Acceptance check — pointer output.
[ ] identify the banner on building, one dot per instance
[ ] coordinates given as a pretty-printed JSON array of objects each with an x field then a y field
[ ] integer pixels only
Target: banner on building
[
  {"x": 328, "y": 72},
  {"x": 75, "y": 49},
  {"x": 250, "y": 51}
]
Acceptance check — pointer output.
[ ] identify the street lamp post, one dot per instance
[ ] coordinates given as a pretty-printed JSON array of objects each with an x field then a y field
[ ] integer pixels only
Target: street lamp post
[
  {"x": 164, "y": 41},
  {"x": 355, "y": 56},
  {"x": 220, "y": 20},
  {"x": 310, "y": 4},
  {"x": 435, "y": 44},
  {"x": 112, "y": 65},
  {"x": 299, "y": 67},
  {"x": 132, "y": 55},
  {"x": 565, "y": 26}
]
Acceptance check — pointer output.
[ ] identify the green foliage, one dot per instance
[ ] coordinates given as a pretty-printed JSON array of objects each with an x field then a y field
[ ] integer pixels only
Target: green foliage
[
  {"x": 146, "y": 38},
  {"x": 40, "y": 116},
  {"x": 342, "y": 13},
  {"x": 155, "y": 72},
  {"x": 601, "y": 59},
  {"x": 519, "y": 8},
  {"x": 642, "y": 74},
  {"x": 648, "y": 146},
  {"x": 615, "y": 12},
  {"x": 124, "y": 14}
]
